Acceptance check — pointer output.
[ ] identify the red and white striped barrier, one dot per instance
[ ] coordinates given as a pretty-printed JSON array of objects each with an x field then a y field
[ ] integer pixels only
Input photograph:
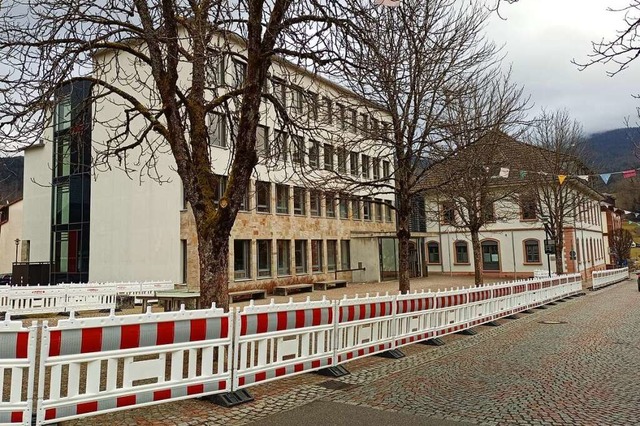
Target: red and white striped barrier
[
  {"x": 276, "y": 341},
  {"x": 414, "y": 316},
  {"x": 479, "y": 306},
  {"x": 104, "y": 364},
  {"x": 17, "y": 362},
  {"x": 612, "y": 276},
  {"x": 365, "y": 326},
  {"x": 450, "y": 314}
]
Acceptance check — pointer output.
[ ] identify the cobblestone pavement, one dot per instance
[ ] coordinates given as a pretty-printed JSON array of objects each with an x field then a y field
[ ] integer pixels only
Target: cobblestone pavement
[{"x": 574, "y": 363}]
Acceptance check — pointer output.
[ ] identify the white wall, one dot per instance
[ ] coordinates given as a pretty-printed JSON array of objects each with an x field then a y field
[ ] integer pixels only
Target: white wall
[
  {"x": 36, "y": 225},
  {"x": 9, "y": 231}
]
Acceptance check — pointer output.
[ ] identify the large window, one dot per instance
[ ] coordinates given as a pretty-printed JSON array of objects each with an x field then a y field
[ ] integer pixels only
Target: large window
[
  {"x": 387, "y": 209},
  {"x": 489, "y": 212},
  {"x": 355, "y": 208},
  {"x": 328, "y": 157},
  {"x": 332, "y": 255},
  {"x": 462, "y": 252},
  {"x": 264, "y": 258},
  {"x": 330, "y": 202},
  {"x": 345, "y": 254},
  {"x": 343, "y": 206},
  {"x": 532, "y": 251},
  {"x": 299, "y": 201},
  {"x": 239, "y": 73},
  {"x": 342, "y": 160},
  {"x": 262, "y": 140},
  {"x": 448, "y": 214},
  {"x": 220, "y": 189},
  {"x": 63, "y": 114},
  {"x": 314, "y": 155},
  {"x": 379, "y": 210},
  {"x": 282, "y": 199},
  {"x": 376, "y": 168},
  {"x": 284, "y": 257},
  {"x": 386, "y": 169},
  {"x": 280, "y": 143},
  {"x": 433, "y": 252},
  {"x": 185, "y": 263},
  {"x": 263, "y": 197},
  {"x": 528, "y": 208},
  {"x": 217, "y": 130},
  {"x": 316, "y": 256},
  {"x": 62, "y": 203},
  {"x": 242, "y": 259},
  {"x": 366, "y": 170},
  {"x": 327, "y": 110},
  {"x": 301, "y": 256},
  {"x": 354, "y": 163},
  {"x": 297, "y": 149},
  {"x": 367, "y": 213},
  {"x": 315, "y": 201}
]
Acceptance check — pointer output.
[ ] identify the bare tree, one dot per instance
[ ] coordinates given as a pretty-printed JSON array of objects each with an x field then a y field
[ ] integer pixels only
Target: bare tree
[
  {"x": 620, "y": 241},
  {"x": 555, "y": 183},
  {"x": 409, "y": 61},
  {"x": 151, "y": 61}
]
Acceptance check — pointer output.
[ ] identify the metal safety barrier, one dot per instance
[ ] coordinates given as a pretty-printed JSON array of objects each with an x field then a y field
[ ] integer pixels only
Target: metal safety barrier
[
  {"x": 17, "y": 364},
  {"x": 280, "y": 340},
  {"x": 99, "y": 365},
  {"x": 612, "y": 276}
]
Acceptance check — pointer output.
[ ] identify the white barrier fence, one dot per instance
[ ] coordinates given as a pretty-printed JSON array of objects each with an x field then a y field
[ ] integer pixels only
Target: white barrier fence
[
  {"x": 98, "y": 365},
  {"x": 27, "y": 300},
  {"x": 17, "y": 363},
  {"x": 604, "y": 278}
]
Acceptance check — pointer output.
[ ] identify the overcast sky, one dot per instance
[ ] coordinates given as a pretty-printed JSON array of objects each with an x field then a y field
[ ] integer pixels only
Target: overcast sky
[{"x": 540, "y": 39}]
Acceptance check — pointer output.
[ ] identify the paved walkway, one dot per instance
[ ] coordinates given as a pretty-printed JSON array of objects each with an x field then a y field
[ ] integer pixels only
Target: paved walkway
[{"x": 573, "y": 363}]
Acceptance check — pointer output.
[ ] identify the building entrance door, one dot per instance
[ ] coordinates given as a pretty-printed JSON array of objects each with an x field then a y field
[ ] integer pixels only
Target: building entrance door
[{"x": 490, "y": 256}]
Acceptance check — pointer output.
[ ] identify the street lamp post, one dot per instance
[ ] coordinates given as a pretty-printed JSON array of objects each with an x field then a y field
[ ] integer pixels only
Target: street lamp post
[
  {"x": 548, "y": 244},
  {"x": 17, "y": 241}
]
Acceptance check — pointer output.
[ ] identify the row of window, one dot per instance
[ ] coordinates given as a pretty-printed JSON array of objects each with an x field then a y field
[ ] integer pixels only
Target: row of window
[
  {"x": 593, "y": 248},
  {"x": 304, "y": 256},
  {"x": 316, "y": 155},
  {"x": 305, "y": 202},
  {"x": 298, "y": 100},
  {"x": 589, "y": 212},
  {"x": 461, "y": 252}
]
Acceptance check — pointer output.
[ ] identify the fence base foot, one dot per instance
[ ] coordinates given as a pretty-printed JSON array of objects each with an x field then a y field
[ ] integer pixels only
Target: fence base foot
[
  {"x": 335, "y": 371},
  {"x": 540, "y": 307},
  {"x": 552, "y": 303},
  {"x": 561, "y": 300},
  {"x": 468, "y": 332},
  {"x": 230, "y": 399},
  {"x": 34, "y": 419},
  {"x": 492, "y": 324},
  {"x": 528, "y": 311},
  {"x": 513, "y": 316},
  {"x": 392, "y": 353},
  {"x": 436, "y": 341}
]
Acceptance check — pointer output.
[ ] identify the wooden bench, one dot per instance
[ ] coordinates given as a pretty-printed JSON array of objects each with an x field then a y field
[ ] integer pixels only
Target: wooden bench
[
  {"x": 324, "y": 285},
  {"x": 283, "y": 290},
  {"x": 257, "y": 293}
]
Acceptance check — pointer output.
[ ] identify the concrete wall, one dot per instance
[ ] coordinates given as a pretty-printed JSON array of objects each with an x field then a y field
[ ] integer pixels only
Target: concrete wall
[
  {"x": 36, "y": 225},
  {"x": 9, "y": 231}
]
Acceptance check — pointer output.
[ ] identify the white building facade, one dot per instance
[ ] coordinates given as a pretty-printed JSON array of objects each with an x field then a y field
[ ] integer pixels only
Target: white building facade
[{"x": 102, "y": 224}]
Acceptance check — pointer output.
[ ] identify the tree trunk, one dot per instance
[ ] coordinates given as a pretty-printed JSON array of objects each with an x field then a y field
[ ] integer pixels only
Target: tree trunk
[
  {"x": 559, "y": 239},
  {"x": 214, "y": 271},
  {"x": 404, "y": 235},
  {"x": 477, "y": 258}
]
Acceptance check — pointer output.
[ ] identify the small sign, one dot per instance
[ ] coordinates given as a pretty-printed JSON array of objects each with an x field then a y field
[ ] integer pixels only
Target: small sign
[
  {"x": 549, "y": 246},
  {"x": 572, "y": 255}
]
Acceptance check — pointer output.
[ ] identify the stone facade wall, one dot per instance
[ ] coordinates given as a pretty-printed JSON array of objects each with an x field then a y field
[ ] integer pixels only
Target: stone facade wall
[{"x": 253, "y": 225}]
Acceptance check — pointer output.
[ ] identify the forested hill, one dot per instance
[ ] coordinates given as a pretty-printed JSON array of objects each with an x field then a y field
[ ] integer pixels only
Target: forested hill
[
  {"x": 614, "y": 150},
  {"x": 11, "y": 171}
]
